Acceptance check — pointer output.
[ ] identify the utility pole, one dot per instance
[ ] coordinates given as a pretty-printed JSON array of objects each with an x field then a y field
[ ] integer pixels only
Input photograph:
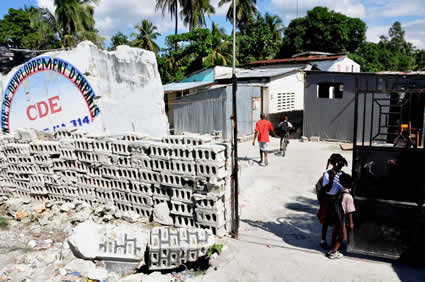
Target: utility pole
[{"x": 235, "y": 180}]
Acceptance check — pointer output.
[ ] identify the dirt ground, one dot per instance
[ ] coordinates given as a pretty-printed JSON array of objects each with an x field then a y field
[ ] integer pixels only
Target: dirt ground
[{"x": 279, "y": 230}]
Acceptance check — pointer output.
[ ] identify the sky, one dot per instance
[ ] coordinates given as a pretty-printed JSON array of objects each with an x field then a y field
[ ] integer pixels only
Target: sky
[{"x": 122, "y": 15}]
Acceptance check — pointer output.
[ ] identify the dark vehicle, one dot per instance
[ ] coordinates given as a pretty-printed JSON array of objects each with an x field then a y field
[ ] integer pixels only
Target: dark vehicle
[{"x": 389, "y": 175}]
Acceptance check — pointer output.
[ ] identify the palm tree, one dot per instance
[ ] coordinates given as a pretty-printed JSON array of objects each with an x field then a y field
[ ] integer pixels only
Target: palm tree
[
  {"x": 172, "y": 6},
  {"x": 193, "y": 12},
  {"x": 45, "y": 23},
  {"x": 74, "y": 16},
  {"x": 146, "y": 36},
  {"x": 244, "y": 10},
  {"x": 275, "y": 25},
  {"x": 221, "y": 48}
]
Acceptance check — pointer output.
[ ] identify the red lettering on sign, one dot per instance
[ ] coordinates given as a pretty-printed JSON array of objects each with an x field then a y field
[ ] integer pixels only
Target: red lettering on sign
[
  {"x": 29, "y": 113},
  {"x": 42, "y": 109},
  {"x": 54, "y": 106}
]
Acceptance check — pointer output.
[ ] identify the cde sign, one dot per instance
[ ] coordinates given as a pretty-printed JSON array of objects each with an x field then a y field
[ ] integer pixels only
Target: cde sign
[{"x": 42, "y": 109}]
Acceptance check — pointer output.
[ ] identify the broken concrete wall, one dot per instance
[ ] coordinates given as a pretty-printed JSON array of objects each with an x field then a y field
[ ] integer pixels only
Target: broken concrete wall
[
  {"x": 188, "y": 173},
  {"x": 87, "y": 88}
]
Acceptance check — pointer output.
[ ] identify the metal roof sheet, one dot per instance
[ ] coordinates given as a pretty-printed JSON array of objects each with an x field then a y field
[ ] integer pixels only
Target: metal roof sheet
[
  {"x": 296, "y": 60},
  {"x": 261, "y": 73},
  {"x": 181, "y": 86}
]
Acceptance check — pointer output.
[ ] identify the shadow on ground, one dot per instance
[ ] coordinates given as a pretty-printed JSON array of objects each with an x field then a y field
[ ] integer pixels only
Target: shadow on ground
[{"x": 302, "y": 229}]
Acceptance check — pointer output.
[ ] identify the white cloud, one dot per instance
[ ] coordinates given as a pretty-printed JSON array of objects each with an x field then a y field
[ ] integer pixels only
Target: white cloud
[
  {"x": 288, "y": 8},
  {"x": 373, "y": 33},
  {"x": 397, "y": 8},
  {"x": 415, "y": 32},
  {"x": 220, "y": 11},
  {"x": 49, "y": 4},
  {"x": 112, "y": 16}
]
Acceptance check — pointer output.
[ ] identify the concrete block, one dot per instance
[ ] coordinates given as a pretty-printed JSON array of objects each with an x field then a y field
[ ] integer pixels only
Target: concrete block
[
  {"x": 102, "y": 146},
  {"x": 183, "y": 221},
  {"x": 161, "y": 165},
  {"x": 21, "y": 194},
  {"x": 181, "y": 152},
  {"x": 147, "y": 176},
  {"x": 87, "y": 192},
  {"x": 50, "y": 179},
  {"x": 140, "y": 147},
  {"x": 23, "y": 186},
  {"x": 120, "y": 185},
  {"x": 143, "y": 211},
  {"x": 16, "y": 150},
  {"x": 172, "y": 180},
  {"x": 46, "y": 169},
  {"x": 121, "y": 161},
  {"x": 315, "y": 139},
  {"x": 110, "y": 172},
  {"x": 170, "y": 248},
  {"x": 63, "y": 133},
  {"x": 104, "y": 158},
  {"x": 141, "y": 161},
  {"x": 38, "y": 190},
  {"x": 187, "y": 168},
  {"x": 132, "y": 137},
  {"x": 196, "y": 140},
  {"x": 131, "y": 174},
  {"x": 84, "y": 144},
  {"x": 139, "y": 199},
  {"x": 123, "y": 206},
  {"x": 39, "y": 197},
  {"x": 210, "y": 202},
  {"x": 161, "y": 192},
  {"x": 22, "y": 177},
  {"x": 218, "y": 231},
  {"x": 211, "y": 169},
  {"x": 67, "y": 154},
  {"x": 181, "y": 208},
  {"x": 212, "y": 153},
  {"x": 118, "y": 195},
  {"x": 68, "y": 177},
  {"x": 41, "y": 159},
  {"x": 94, "y": 171},
  {"x": 120, "y": 148},
  {"x": 181, "y": 195},
  {"x": 160, "y": 151},
  {"x": 78, "y": 135},
  {"x": 103, "y": 195},
  {"x": 44, "y": 147},
  {"x": 304, "y": 139},
  {"x": 141, "y": 188},
  {"x": 87, "y": 157},
  {"x": 210, "y": 217},
  {"x": 173, "y": 139},
  {"x": 36, "y": 180},
  {"x": 70, "y": 190},
  {"x": 157, "y": 200}
]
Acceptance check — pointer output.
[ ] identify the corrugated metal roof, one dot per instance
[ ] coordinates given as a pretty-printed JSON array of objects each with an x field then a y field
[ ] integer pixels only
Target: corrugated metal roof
[
  {"x": 261, "y": 73},
  {"x": 181, "y": 86},
  {"x": 296, "y": 60}
]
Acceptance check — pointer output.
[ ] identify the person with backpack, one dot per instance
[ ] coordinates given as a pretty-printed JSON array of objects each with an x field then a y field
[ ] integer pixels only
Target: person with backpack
[
  {"x": 284, "y": 127},
  {"x": 340, "y": 213},
  {"x": 326, "y": 188}
]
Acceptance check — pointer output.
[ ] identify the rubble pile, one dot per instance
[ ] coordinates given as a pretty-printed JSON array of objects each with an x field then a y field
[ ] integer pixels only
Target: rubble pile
[{"x": 177, "y": 180}]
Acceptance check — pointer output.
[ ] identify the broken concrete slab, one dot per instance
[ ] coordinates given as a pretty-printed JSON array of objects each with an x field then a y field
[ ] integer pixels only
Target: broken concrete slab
[
  {"x": 108, "y": 242},
  {"x": 161, "y": 214}
]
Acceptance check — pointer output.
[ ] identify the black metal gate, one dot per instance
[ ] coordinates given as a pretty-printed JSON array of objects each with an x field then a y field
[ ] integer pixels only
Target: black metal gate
[{"x": 389, "y": 189}]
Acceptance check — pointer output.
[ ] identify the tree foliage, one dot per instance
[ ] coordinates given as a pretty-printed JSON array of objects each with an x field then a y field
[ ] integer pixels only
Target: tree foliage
[
  {"x": 392, "y": 53},
  {"x": 259, "y": 39},
  {"x": 323, "y": 30},
  {"x": 245, "y": 9},
  {"x": 18, "y": 29},
  {"x": 193, "y": 12},
  {"x": 199, "y": 48},
  {"x": 119, "y": 39},
  {"x": 145, "y": 38}
]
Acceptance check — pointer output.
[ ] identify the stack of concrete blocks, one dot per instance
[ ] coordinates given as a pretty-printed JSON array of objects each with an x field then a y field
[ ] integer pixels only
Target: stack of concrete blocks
[
  {"x": 188, "y": 172},
  {"x": 171, "y": 247}
]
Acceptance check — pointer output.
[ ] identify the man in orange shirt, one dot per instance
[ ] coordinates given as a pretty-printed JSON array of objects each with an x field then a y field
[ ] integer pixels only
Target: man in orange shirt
[{"x": 262, "y": 128}]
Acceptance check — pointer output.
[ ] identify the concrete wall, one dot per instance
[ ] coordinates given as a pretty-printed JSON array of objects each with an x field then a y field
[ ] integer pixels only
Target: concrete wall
[
  {"x": 124, "y": 86},
  {"x": 340, "y": 65},
  {"x": 188, "y": 173},
  {"x": 286, "y": 93}
]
